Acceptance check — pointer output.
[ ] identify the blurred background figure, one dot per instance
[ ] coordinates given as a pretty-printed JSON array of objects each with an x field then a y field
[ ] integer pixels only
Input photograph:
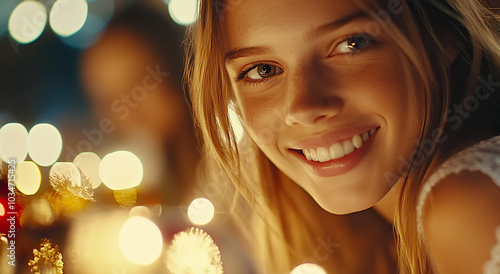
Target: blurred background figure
[
  {"x": 115, "y": 84},
  {"x": 132, "y": 77}
]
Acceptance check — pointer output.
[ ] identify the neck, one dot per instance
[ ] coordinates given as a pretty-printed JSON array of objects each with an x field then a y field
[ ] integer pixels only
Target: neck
[{"x": 386, "y": 207}]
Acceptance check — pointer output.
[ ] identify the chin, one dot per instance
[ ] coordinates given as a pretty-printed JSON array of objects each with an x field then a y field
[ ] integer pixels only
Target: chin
[{"x": 344, "y": 206}]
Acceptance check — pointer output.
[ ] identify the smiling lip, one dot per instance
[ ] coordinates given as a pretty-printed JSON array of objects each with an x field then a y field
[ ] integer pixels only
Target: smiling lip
[{"x": 340, "y": 165}]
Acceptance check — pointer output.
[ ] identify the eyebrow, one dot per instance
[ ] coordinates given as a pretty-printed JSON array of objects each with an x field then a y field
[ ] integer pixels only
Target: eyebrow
[
  {"x": 243, "y": 52},
  {"x": 336, "y": 24},
  {"x": 248, "y": 51}
]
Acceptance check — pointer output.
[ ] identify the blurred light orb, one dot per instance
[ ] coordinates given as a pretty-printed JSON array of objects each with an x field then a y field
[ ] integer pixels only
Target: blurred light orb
[
  {"x": 183, "y": 12},
  {"x": 99, "y": 14},
  {"x": 121, "y": 170},
  {"x": 2, "y": 210},
  {"x": 140, "y": 211},
  {"x": 68, "y": 16},
  {"x": 140, "y": 240},
  {"x": 13, "y": 142},
  {"x": 308, "y": 268},
  {"x": 27, "y": 21},
  {"x": 67, "y": 170},
  {"x": 201, "y": 211},
  {"x": 38, "y": 212},
  {"x": 88, "y": 163},
  {"x": 194, "y": 252},
  {"x": 44, "y": 144},
  {"x": 28, "y": 177}
]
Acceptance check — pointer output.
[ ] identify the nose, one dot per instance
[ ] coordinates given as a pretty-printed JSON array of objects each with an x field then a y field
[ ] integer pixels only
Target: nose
[{"x": 311, "y": 99}]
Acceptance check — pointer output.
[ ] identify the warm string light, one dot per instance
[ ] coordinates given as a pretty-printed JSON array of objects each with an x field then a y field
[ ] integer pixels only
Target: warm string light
[
  {"x": 69, "y": 19},
  {"x": 27, "y": 21},
  {"x": 308, "y": 268},
  {"x": 71, "y": 189},
  {"x": 44, "y": 144},
  {"x": 194, "y": 252},
  {"x": 183, "y": 12},
  {"x": 88, "y": 163},
  {"x": 28, "y": 178},
  {"x": 29, "y": 18},
  {"x": 140, "y": 240},
  {"x": 201, "y": 211},
  {"x": 121, "y": 170},
  {"x": 13, "y": 142}
]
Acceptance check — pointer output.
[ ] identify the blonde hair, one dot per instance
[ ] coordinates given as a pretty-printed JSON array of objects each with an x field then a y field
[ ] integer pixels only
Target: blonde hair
[{"x": 420, "y": 31}]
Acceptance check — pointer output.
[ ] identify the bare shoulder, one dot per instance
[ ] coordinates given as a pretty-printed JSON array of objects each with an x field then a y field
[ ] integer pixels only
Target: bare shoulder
[{"x": 460, "y": 220}]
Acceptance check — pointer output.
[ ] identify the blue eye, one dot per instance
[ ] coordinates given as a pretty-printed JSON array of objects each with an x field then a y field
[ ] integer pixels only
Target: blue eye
[{"x": 353, "y": 44}]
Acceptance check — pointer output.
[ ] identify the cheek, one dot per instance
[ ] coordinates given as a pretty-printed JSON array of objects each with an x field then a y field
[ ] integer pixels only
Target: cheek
[
  {"x": 262, "y": 118},
  {"x": 388, "y": 92}
]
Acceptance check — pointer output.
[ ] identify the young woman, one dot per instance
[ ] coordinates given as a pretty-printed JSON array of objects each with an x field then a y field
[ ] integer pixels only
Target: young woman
[{"x": 368, "y": 106}]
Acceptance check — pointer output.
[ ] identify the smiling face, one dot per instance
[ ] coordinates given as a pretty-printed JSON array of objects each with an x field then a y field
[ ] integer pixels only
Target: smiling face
[{"x": 321, "y": 88}]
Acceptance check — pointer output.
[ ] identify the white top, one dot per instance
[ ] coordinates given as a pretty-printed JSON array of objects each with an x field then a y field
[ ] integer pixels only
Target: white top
[{"x": 483, "y": 157}]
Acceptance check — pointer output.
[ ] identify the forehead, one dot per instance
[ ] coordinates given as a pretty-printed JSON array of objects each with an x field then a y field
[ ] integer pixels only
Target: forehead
[{"x": 248, "y": 22}]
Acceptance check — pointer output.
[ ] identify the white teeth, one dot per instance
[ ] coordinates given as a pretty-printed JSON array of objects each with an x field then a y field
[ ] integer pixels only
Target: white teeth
[
  {"x": 357, "y": 142},
  {"x": 365, "y": 136},
  {"x": 323, "y": 154},
  {"x": 337, "y": 150},
  {"x": 307, "y": 154},
  {"x": 314, "y": 156},
  {"x": 348, "y": 147}
]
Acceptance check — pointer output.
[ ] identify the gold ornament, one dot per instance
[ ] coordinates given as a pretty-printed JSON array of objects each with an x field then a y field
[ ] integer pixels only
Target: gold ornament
[
  {"x": 126, "y": 197},
  {"x": 65, "y": 197},
  {"x": 47, "y": 260}
]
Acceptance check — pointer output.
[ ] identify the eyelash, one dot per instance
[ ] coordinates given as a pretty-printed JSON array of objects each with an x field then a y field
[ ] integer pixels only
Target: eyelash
[{"x": 241, "y": 77}]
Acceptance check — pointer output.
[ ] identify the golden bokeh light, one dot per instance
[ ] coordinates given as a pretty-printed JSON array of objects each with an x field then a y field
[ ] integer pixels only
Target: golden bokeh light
[
  {"x": 140, "y": 211},
  {"x": 308, "y": 268},
  {"x": 68, "y": 17},
  {"x": 37, "y": 213},
  {"x": 88, "y": 163},
  {"x": 183, "y": 12},
  {"x": 194, "y": 252},
  {"x": 27, "y": 21},
  {"x": 13, "y": 142},
  {"x": 2, "y": 210},
  {"x": 140, "y": 240},
  {"x": 201, "y": 211},
  {"x": 93, "y": 238},
  {"x": 121, "y": 170},
  {"x": 68, "y": 171},
  {"x": 28, "y": 177},
  {"x": 44, "y": 144},
  {"x": 126, "y": 197}
]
